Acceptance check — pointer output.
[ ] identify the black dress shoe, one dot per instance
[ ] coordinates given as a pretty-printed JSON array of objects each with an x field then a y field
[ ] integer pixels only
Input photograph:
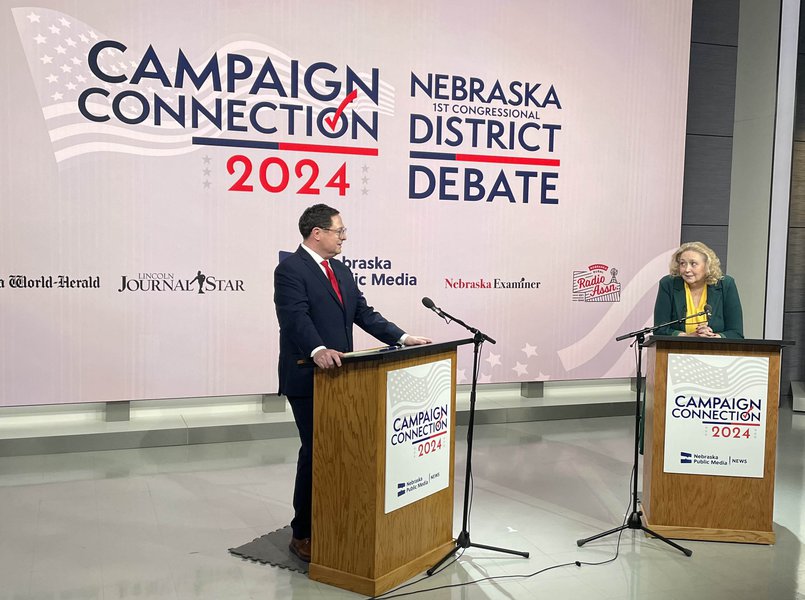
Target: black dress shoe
[{"x": 300, "y": 547}]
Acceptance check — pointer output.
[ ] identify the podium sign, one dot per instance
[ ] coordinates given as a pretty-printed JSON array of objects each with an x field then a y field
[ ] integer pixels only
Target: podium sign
[
  {"x": 715, "y": 417},
  {"x": 418, "y": 402}
]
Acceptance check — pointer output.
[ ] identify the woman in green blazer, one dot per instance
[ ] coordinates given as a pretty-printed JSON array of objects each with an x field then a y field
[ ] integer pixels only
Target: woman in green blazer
[{"x": 696, "y": 281}]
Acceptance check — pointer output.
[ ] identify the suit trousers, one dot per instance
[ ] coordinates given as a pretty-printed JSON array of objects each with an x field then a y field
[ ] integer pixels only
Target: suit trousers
[{"x": 302, "y": 407}]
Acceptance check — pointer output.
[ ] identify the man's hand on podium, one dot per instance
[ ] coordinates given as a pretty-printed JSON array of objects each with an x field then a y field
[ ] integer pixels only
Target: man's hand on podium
[
  {"x": 413, "y": 340},
  {"x": 327, "y": 359}
]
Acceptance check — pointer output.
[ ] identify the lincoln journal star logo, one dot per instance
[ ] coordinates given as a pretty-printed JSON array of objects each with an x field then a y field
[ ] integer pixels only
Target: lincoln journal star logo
[{"x": 169, "y": 282}]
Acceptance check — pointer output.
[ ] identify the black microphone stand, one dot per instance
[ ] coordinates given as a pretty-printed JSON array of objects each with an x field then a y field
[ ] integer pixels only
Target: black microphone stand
[
  {"x": 463, "y": 539},
  {"x": 634, "y": 521}
]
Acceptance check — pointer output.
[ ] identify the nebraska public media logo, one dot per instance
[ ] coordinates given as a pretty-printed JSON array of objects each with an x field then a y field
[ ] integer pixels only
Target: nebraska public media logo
[
  {"x": 201, "y": 283},
  {"x": 598, "y": 283},
  {"x": 378, "y": 271},
  {"x": 718, "y": 460}
]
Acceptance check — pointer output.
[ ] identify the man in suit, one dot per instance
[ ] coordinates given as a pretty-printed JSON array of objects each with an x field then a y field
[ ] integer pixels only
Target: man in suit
[{"x": 317, "y": 303}]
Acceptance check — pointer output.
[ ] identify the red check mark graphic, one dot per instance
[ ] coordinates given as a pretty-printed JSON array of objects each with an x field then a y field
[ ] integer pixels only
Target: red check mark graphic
[{"x": 332, "y": 121}]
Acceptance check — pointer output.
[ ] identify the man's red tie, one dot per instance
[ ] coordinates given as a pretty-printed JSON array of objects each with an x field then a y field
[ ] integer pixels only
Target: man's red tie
[{"x": 333, "y": 280}]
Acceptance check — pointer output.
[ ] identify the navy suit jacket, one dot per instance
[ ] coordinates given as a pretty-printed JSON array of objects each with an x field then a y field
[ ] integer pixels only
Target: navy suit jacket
[
  {"x": 726, "y": 317},
  {"x": 310, "y": 315}
]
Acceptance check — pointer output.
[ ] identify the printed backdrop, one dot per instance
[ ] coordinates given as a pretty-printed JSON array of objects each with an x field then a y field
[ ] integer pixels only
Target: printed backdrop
[{"x": 519, "y": 163}]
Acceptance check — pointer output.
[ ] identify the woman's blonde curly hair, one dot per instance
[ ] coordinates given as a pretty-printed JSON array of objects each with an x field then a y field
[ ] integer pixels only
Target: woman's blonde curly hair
[{"x": 712, "y": 264}]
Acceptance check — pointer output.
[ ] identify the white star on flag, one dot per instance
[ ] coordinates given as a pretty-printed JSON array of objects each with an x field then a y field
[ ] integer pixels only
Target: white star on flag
[
  {"x": 493, "y": 359},
  {"x": 529, "y": 350}
]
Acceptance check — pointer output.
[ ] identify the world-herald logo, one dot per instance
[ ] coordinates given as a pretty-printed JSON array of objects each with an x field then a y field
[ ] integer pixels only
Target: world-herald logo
[
  {"x": 51, "y": 282},
  {"x": 596, "y": 284}
]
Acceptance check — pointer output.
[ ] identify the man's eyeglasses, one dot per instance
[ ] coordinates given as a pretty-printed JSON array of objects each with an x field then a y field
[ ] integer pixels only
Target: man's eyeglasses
[{"x": 340, "y": 232}]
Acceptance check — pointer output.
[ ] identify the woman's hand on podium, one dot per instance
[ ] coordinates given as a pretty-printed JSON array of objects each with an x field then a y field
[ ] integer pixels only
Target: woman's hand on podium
[{"x": 704, "y": 330}]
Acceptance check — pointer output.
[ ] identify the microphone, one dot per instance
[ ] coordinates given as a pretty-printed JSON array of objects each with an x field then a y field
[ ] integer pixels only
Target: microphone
[
  {"x": 428, "y": 303},
  {"x": 708, "y": 310}
]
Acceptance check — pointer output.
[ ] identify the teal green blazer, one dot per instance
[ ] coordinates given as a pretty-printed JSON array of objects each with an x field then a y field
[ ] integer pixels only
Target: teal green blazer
[{"x": 727, "y": 315}]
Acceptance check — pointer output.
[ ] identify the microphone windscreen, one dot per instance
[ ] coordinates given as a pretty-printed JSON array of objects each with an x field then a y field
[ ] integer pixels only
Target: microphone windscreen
[
  {"x": 708, "y": 310},
  {"x": 428, "y": 302}
]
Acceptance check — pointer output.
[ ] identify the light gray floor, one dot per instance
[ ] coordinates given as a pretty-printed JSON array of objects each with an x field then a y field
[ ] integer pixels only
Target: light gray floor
[{"x": 156, "y": 523}]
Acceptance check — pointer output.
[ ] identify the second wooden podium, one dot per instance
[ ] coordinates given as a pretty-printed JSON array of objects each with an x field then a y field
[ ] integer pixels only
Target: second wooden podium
[
  {"x": 358, "y": 542},
  {"x": 725, "y": 492}
]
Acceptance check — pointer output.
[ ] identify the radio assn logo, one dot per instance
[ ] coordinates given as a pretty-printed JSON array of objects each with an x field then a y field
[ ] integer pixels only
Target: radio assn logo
[{"x": 598, "y": 283}]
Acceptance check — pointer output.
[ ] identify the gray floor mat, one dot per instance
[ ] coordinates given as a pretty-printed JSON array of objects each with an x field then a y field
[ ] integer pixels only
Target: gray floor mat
[{"x": 272, "y": 549}]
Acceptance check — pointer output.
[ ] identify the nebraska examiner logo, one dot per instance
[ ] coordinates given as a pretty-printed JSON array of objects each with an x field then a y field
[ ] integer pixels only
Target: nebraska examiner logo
[
  {"x": 201, "y": 283},
  {"x": 598, "y": 283},
  {"x": 490, "y": 283}
]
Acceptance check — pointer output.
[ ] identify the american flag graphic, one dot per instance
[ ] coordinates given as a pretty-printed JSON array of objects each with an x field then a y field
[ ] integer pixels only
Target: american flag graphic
[
  {"x": 407, "y": 392},
  {"x": 56, "y": 46},
  {"x": 697, "y": 376}
]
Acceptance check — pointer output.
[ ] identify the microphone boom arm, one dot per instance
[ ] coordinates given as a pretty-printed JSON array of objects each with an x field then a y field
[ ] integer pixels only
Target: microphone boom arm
[
  {"x": 645, "y": 330},
  {"x": 474, "y": 331}
]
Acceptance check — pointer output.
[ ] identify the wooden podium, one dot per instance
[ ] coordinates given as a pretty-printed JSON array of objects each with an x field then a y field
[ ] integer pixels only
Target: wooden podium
[
  {"x": 356, "y": 545},
  {"x": 697, "y": 506}
]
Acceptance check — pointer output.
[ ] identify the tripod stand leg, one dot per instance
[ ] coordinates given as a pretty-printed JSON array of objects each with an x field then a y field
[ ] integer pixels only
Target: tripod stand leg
[
  {"x": 496, "y": 549},
  {"x": 683, "y": 550},
  {"x": 580, "y": 543},
  {"x": 435, "y": 567}
]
